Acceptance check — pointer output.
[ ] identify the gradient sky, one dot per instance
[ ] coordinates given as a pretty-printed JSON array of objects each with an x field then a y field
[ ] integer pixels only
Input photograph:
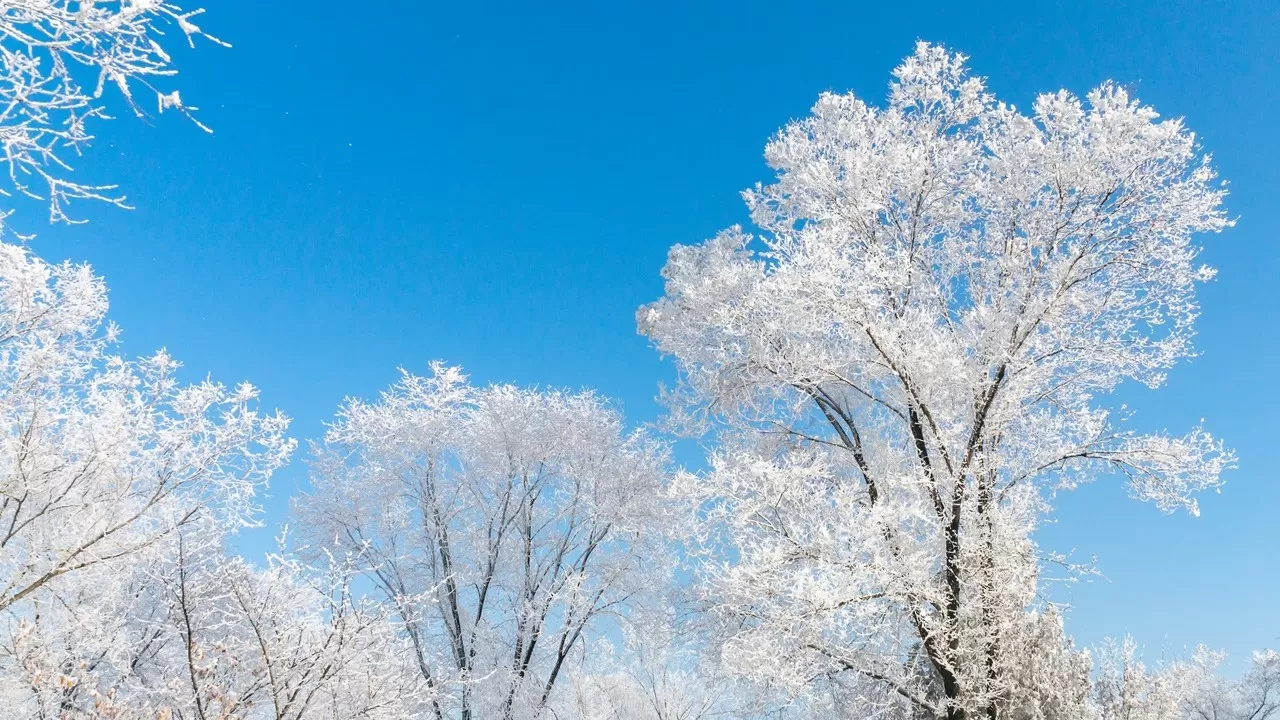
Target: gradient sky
[{"x": 497, "y": 186}]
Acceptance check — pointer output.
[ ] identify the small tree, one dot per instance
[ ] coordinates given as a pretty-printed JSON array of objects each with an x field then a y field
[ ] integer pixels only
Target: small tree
[
  {"x": 182, "y": 631},
  {"x": 502, "y": 525},
  {"x": 105, "y": 465},
  {"x": 1204, "y": 694},
  {"x": 909, "y": 357}
]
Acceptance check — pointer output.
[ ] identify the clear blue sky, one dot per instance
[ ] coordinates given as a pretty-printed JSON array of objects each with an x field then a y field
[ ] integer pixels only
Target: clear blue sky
[{"x": 497, "y": 186}]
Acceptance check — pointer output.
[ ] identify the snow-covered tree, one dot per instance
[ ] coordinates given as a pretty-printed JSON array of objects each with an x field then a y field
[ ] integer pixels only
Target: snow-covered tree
[
  {"x": 1204, "y": 694},
  {"x": 302, "y": 644},
  {"x": 57, "y": 58},
  {"x": 117, "y": 486},
  {"x": 504, "y": 526},
  {"x": 910, "y": 356},
  {"x": 101, "y": 456},
  {"x": 1124, "y": 688},
  {"x": 184, "y": 631}
]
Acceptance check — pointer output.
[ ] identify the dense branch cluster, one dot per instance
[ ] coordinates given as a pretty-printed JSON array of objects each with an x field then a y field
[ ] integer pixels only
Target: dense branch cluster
[{"x": 57, "y": 57}]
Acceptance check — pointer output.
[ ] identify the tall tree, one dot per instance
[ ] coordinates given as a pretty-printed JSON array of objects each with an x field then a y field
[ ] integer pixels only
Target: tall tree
[
  {"x": 504, "y": 526},
  {"x": 910, "y": 354}
]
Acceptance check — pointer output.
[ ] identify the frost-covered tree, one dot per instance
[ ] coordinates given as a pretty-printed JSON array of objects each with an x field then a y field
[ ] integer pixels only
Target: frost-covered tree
[
  {"x": 184, "y": 631},
  {"x": 57, "y": 59},
  {"x": 909, "y": 357},
  {"x": 504, "y": 527},
  {"x": 1124, "y": 688},
  {"x": 1204, "y": 694},
  {"x": 108, "y": 468},
  {"x": 102, "y": 456},
  {"x": 659, "y": 672},
  {"x": 297, "y": 642},
  {"x": 118, "y": 484}
]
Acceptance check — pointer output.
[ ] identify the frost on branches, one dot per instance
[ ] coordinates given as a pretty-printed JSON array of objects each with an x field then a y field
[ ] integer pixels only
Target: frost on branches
[
  {"x": 1125, "y": 689},
  {"x": 505, "y": 528},
  {"x": 57, "y": 58},
  {"x": 187, "y": 632},
  {"x": 907, "y": 359},
  {"x": 102, "y": 456},
  {"x": 118, "y": 485}
]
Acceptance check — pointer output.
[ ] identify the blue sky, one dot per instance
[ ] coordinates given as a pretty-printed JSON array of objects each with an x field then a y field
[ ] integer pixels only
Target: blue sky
[{"x": 497, "y": 186}]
